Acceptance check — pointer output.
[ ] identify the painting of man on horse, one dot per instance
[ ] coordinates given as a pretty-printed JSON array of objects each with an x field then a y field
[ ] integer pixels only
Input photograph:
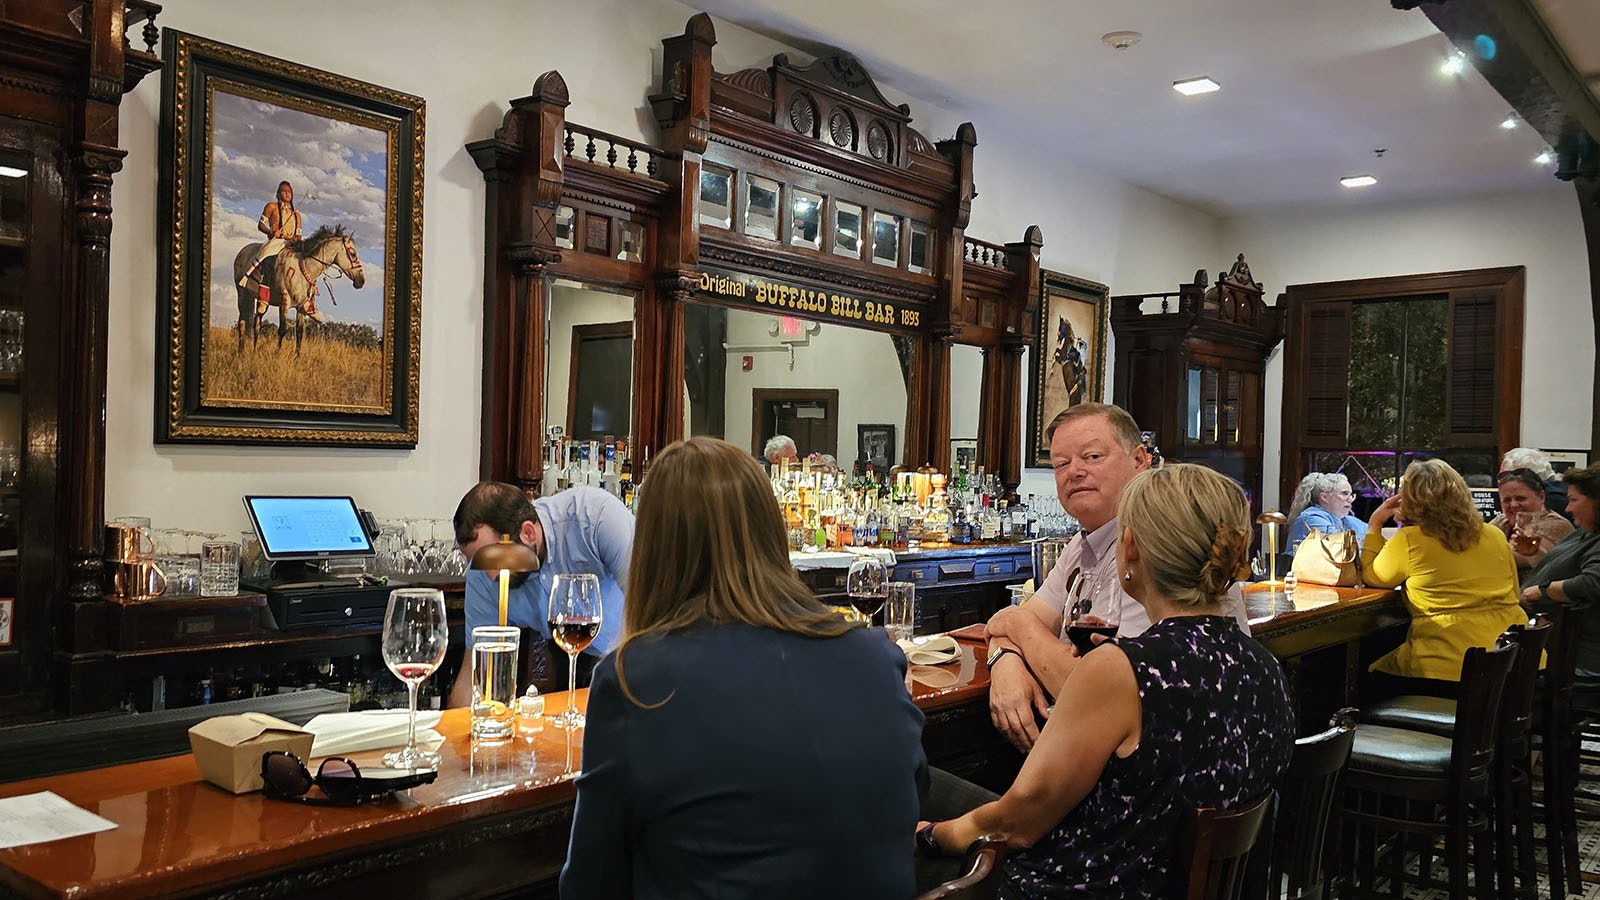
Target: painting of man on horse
[{"x": 287, "y": 278}]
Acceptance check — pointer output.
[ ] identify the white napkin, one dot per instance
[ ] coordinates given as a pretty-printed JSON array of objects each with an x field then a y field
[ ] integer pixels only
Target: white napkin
[
  {"x": 883, "y": 553},
  {"x": 373, "y": 729},
  {"x": 932, "y": 651}
]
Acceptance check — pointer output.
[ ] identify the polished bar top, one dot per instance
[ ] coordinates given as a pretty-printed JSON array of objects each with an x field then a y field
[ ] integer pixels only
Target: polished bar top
[{"x": 177, "y": 833}]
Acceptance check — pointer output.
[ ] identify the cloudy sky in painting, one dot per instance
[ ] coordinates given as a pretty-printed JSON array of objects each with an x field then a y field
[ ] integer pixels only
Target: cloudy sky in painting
[{"x": 339, "y": 173}]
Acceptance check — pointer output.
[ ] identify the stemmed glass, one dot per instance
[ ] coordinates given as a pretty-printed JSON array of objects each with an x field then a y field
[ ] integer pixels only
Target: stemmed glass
[
  {"x": 415, "y": 635},
  {"x": 867, "y": 584},
  {"x": 1082, "y": 622},
  {"x": 575, "y": 616}
]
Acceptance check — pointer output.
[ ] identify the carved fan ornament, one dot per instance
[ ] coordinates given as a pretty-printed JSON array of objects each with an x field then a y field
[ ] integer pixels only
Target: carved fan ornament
[
  {"x": 841, "y": 129},
  {"x": 803, "y": 115},
  {"x": 878, "y": 146}
]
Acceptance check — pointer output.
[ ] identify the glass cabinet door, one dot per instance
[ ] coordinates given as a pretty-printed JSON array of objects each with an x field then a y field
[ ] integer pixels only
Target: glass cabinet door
[{"x": 16, "y": 177}]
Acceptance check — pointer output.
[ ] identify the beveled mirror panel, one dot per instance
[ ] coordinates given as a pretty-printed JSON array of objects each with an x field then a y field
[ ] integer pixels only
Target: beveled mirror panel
[
  {"x": 749, "y": 375},
  {"x": 761, "y": 207},
  {"x": 566, "y": 217},
  {"x": 920, "y": 256},
  {"x": 847, "y": 229},
  {"x": 589, "y": 355},
  {"x": 716, "y": 197},
  {"x": 885, "y": 239},
  {"x": 806, "y": 209}
]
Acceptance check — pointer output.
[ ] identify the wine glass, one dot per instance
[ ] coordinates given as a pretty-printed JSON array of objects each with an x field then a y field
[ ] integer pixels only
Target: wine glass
[
  {"x": 867, "y": 584},
  {"x": 1082, "y": 621},
  {"x": 415, "y": 635},
  {"x": 575, "y": 616}
]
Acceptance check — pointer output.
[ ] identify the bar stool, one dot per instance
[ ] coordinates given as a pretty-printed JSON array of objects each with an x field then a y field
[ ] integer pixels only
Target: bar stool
[
  {"x": 1556, "y": 730},
  {"x": 1399, "y": 780},
  {"x": 1288, "y": 862},
  {"x": 1516, "y": 867},
  {"x": 1214, "y": 848}
]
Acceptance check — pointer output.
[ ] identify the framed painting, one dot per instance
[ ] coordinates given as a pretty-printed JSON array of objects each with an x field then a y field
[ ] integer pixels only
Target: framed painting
[
  {"x": 1069, "y": 353},
  {"x": 875, "y": 446},
  {"x": 1562, "y": 460},
  {"x": 291, "y": 220}
]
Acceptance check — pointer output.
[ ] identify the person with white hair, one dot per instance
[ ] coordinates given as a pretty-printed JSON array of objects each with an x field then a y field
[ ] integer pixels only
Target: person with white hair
[
  {"x": 1323, "y": 501},
  {"x": 1536, "y": 461},
  {"x": 781, "y": 447}
]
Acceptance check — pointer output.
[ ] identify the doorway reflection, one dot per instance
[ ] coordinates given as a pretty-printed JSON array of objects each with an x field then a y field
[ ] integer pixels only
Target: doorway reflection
[{"x": 589, "y": 357}]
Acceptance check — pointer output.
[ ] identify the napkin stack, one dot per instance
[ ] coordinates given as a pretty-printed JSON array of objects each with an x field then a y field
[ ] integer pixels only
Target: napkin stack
[
  {"x": 931, "y": 651},
  {"x": 374, "y": 729}
]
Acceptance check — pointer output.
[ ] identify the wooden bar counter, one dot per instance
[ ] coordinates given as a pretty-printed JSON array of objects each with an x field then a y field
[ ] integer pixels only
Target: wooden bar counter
[{"x": 497, "y": 818}]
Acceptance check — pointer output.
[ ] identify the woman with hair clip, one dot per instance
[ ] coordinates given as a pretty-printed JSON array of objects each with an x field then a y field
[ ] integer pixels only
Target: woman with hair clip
[
  {"x": 1460, "y": 579},
  {"x": 743, "y": 740},
  {"x": 1141, "y": 732}
]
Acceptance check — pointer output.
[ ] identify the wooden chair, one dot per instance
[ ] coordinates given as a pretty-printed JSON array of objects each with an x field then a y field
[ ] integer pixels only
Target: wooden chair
[
  {"x": 1214, "y": 850},
  {"x": 1399, "y": 782},
  {"x": 1288, "y": 862},
  {"x": 1556, "y": 731},
  {"x": 981, "y": 878},
  {"x": 1516, "y": 867}
]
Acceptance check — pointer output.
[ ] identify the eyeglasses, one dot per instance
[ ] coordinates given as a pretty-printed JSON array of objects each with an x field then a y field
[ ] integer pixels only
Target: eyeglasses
[
  {"x": 1344, "y": 493},
  {"x": 284, "y": 777}
]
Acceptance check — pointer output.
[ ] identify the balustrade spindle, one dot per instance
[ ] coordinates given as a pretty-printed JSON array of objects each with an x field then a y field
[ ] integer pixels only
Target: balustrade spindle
[
  {"x": 611, "y": 155},
  {"x": 569, "y": 143},
  {"x": 589, "y": 148},
  {"x": 633, "y": 161}
]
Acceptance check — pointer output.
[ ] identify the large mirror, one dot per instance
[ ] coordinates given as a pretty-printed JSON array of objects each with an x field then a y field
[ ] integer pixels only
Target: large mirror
[
  {"x": 966, "y": 397},
  {"x": 589, "y": 357},
  {"x": 837, "y": 390}
]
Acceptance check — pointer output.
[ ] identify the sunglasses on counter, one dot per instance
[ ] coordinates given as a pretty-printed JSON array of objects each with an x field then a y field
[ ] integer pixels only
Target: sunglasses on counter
[{"x": 285, "y": 777}]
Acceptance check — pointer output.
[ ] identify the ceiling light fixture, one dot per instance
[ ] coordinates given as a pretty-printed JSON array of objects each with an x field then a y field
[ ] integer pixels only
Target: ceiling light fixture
[
  {"x": 10, "y": 172},
  {"x": 1191, "y": 86},
  {"x": 1545, "y": 158},
  {"x": 1509, "y": 123},
  {"x": 1454, "y": 64},
  {"x": 1121, "y": 40},
  {"x": 1355, "y": 181}
]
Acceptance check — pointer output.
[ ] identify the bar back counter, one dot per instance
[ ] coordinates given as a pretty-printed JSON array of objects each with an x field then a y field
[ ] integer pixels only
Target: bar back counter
[{"x": 496, "y": 821}]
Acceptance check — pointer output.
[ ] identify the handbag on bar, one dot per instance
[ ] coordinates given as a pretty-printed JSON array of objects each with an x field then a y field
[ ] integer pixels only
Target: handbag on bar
[{"x": 1331, "y": 559}]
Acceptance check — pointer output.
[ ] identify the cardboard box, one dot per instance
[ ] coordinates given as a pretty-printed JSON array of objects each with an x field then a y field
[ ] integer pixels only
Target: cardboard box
[{"x": 227, "y": 749}]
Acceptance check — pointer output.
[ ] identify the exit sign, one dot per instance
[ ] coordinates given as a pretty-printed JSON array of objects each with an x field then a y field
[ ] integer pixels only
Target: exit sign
[{"x": 789, "y": 326}]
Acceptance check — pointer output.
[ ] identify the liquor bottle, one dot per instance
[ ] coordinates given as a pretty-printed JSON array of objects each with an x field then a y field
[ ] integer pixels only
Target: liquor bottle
[
  {"x": 611, "y": 478},
  {"x": 549, "y": 483},
  {"x": 960, "y": 526},
  {"x": 792, "y": 522},
  {"x": 625, "y": 481},
  {"x": 989, "y": 522},
  {"x": 1031, "y": 524}
]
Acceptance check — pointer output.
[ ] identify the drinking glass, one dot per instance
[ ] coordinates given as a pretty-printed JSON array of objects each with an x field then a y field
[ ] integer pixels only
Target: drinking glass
[
  {"x": 900, "y": 613},
  {"x": 494, "y": 680},
  {"x": 219, "y": 569},
  {"x": 415, "y": 635},
  {"x": 1082, "y": 621},
  {"x": 867, "y": 584},
  {"x": 1525, "y": 539},
  {"x": 575, "y": 616}
]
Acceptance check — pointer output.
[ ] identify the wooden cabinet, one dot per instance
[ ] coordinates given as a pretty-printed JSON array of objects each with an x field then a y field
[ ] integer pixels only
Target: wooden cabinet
[
  {"x": 65, "y": 66},
  {"x": 1191, "y": 367}
]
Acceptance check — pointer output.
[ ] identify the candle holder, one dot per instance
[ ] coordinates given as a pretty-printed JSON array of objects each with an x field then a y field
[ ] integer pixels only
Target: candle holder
[{"x": 1270, "y": 521}]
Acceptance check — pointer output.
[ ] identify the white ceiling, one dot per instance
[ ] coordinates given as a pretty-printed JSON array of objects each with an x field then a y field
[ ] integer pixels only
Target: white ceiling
[{"x": 1310, "y": 88}]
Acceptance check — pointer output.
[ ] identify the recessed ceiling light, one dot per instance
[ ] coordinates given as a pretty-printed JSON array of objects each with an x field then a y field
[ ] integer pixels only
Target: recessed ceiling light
[
  {"x": 1358, "y": 181},
  {"x": 1545, "y": 158},
  {"x": 1454, "y": 64},
  {"x": 9, "y": 172},
  {"x": 1191, "y": 86},
  {"x": 1509, "y": 122}
]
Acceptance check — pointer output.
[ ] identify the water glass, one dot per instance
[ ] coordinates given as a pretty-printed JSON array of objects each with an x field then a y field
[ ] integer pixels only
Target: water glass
[
  {"x": 494, "y": 681},
  {"x": 900, "y": 613},
  {"x": 253, "y": 563},
  {"x": 219, "y": 568}
]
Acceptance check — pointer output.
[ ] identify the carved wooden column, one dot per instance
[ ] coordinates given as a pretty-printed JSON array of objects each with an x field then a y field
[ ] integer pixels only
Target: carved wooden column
[{"x": 521, "y": 166}]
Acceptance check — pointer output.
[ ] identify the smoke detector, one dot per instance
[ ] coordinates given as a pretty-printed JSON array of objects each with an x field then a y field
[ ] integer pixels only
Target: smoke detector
[{"x": 1121, "y": 40}]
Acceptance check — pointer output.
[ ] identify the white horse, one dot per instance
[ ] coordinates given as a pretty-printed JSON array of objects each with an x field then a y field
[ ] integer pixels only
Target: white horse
[{"x": 291, "y": 278}]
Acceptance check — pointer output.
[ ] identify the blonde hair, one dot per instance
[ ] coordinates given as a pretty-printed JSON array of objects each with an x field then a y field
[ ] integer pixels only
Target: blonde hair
[
  {"x": 710, "y": 549},
  {"x": 1435, "y": 498},
  {"x": 1192, "y": 526}
]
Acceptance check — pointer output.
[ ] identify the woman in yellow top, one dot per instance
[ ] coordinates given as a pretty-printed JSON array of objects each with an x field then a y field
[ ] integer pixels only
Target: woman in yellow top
[{"x": 1459, "y": 575}]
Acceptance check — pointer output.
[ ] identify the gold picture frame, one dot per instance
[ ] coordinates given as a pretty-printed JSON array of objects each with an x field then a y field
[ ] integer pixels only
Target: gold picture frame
[
  {"x": 303, "y": 324},
  {"x": 1068, "y": 353}
]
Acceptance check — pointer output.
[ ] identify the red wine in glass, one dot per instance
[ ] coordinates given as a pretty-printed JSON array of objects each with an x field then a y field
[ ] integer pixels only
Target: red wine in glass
[
  {"x": 574, "y": 635},
  {"x": 1081, "y": 633},
  {"x": 868, "y": 604}
]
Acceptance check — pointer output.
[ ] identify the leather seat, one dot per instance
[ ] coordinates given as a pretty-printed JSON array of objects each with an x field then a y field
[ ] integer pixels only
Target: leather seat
[
  {"x": 1399, "y": 752},
  {"x": 1434, "y": 715}
]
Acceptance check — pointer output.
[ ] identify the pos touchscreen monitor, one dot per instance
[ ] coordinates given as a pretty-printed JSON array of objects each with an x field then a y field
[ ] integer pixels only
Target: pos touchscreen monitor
[{"x": 302, "y": 528}]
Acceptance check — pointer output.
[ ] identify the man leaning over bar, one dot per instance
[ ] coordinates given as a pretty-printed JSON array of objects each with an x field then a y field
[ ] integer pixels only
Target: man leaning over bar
[
  {"x": 581, "y": 529},
  {"x": 1095, "y": 450}
]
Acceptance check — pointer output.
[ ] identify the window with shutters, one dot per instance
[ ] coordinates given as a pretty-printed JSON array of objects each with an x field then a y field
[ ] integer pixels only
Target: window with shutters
[{"x": 1379, "y": 372}]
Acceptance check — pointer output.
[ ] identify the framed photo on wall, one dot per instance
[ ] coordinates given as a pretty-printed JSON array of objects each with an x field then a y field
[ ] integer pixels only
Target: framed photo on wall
[
  {"x": 1068, "y": 353},
  {"x": 875, "y": 446},
  {"x": 1562, "y": 460},
  {"x": 291, "y": 227}
]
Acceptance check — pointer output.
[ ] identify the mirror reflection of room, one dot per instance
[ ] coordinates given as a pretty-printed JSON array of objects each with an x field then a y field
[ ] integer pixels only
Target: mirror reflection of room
[
  {"x": 749, "y": 376},
  {"x": 588, "y": 400}
]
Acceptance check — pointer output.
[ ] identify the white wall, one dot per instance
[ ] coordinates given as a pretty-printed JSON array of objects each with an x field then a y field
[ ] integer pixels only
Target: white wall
[{"x": 1540, "y": 230}]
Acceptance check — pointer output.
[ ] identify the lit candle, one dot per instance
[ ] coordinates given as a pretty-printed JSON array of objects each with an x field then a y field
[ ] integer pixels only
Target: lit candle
[{"x": 505, "y": 594}]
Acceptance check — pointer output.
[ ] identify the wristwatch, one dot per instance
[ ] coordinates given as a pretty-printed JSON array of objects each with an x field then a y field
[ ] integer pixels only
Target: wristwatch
[
  {"x": 927, "y": 844},
  {"x": 996, "y": 653}
]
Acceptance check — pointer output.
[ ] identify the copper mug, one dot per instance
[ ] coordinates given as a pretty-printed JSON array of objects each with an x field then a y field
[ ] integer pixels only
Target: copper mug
[
  {"x": 128, "y": 543},
  {"x": 138, "y": 579}
]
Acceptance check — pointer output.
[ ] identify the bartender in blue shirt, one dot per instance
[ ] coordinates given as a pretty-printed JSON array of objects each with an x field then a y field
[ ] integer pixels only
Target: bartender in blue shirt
[{"x": 581, "y": 529}]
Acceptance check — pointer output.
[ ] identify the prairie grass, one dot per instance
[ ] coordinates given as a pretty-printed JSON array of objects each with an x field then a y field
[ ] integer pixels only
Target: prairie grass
[{"x": 326, "y": 372}]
